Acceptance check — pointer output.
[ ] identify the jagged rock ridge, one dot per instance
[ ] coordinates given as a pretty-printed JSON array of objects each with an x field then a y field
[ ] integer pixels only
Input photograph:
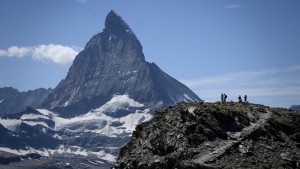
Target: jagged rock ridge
[
  {"x": 13, "y": 101},
  {"x": 113, "y": 63},
  {"x": 213, "y": 135}
]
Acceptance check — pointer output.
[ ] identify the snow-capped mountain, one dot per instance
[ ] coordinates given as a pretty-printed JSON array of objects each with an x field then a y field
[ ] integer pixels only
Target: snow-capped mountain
[
  {"x": 96, "y": 134},
  {"x": 109, "y": 89}
]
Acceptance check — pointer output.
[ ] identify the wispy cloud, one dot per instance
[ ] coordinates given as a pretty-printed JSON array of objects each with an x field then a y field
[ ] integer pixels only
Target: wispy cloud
[
  {"x": 277, "y": 84},
  {"x": 58, "y": 54},
  {"x": 234, "y": 6},
  {"x": 254, "y": 92},
  {"x": 239, "y": 77},
  {"x": 81, "y": 1}
]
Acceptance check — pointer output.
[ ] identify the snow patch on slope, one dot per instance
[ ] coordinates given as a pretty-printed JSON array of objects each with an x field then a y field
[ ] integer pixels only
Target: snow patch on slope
[
  {"x": 119, "y": 102},
  {"x": 61, "y": 150},
  {"x": 10, "y": 124},
  {"x": 33, "y": 116},
  {"x": 132, "y": 120},
  {"x": 46, "y": 112},
  {"x": 34, "y": 123},
  {"x": 102, "y": 123},
  {"x": 188, "y": 98},
  {"x": 96, "y": 121}
]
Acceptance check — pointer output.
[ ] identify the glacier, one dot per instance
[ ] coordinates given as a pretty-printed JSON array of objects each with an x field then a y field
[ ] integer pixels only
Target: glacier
[{"x": 101, "y": 121}]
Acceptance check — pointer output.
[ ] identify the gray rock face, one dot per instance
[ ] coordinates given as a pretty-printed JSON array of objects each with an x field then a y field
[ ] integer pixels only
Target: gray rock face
[
  {"x": 214, "y": 135},
  {"x": 113, "y": 63},
  {"x": 13, "y": 101}
]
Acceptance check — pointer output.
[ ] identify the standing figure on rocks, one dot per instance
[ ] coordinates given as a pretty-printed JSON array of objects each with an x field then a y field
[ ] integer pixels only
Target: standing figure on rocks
[
  {"x": 222, "y": 98},
  {"x": 240, "y": 99},
  {"x": 245, "y": 98},
  {"x": 225, "y": 97}
]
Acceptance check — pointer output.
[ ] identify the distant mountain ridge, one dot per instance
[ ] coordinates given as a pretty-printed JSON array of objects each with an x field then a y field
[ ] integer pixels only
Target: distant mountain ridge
[
  {"x": 295, "y": 107},
  {"x": 13, "y": 101}
]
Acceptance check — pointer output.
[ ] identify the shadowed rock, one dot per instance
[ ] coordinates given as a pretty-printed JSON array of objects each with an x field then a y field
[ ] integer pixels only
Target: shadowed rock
[{"x": 211, "y": 135}]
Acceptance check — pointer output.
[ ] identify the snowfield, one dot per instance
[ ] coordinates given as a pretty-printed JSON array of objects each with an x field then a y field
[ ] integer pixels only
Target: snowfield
[
  {"x": 97, "y": 121},
  {"x": 10, "y": 124},
  {"x": 97, "y": 118}
]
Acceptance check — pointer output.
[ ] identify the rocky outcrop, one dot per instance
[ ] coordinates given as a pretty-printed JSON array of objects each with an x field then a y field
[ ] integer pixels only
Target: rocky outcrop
[
  {"x": 13, "y": 101},
  {"x": 111, "y": 63},
  {"x": 295, "y": 107},
  {"x": 214, "y": 135}
]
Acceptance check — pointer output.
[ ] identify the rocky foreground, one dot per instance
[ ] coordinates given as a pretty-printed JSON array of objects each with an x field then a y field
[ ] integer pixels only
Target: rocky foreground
[{"x": 215, "y": 135}]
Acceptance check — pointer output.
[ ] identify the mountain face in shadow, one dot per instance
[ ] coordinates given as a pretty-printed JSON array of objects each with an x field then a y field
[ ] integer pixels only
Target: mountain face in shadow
[{"x": 111, "y": 63}]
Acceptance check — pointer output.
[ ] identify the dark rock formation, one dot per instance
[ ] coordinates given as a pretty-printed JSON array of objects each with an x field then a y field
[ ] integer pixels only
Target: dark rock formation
[
  {"x": 24, "y": 135},
  {"x": 6, "y": 158},
  {"x": 295, "y": 107},
  {"x": 213, "y": 135},
  {"x": 13, "y": 101},
  {"x": 113, "y": 63}
]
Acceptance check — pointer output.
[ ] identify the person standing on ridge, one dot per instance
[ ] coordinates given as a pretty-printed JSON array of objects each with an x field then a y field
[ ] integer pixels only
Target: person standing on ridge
[
  {"x": 240, "y": 99},
  {"x": 222, "y": 98},
  {"x": 245, "y": 98},
  {"x": 225, "y": 97}
]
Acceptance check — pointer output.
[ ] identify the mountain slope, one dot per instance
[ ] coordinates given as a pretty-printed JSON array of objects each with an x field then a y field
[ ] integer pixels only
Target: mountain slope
[
  {"x": 113, "y": 62},
  {"x": 213, "y": 135},
  {"x": 13, "y": 101},
  {"x": 95, "y": 136},
  {"x": 83, "y": 122}
]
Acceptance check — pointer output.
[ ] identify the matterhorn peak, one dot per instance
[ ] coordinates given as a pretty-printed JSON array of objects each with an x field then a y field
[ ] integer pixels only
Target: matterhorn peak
[
  {"x": 115, "y": 24},
  {"x": 113, "y": 63}
]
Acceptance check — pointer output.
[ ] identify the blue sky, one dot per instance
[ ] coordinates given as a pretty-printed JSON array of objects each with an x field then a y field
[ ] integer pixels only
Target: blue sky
[{"x": 237, "y": 46}]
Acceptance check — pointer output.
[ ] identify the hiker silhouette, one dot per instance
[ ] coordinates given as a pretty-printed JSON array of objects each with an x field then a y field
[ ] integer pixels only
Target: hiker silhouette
[
  {"x": 225, "y": 97},
  {"x": 240, "y": 99}
]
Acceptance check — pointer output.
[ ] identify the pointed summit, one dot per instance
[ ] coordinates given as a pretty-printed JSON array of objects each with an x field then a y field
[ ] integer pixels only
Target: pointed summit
[
  {"x": 113, "y": 63},
  {"x": 115, "y": 24}
]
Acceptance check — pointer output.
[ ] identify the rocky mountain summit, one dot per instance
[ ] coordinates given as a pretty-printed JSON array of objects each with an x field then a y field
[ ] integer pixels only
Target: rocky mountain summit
[
  {"x": 113, "y": 62},
  {"x": 215, "y": 135}
]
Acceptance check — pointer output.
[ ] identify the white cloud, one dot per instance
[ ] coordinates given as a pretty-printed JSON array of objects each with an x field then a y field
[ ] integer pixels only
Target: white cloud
[
  {"x": 3, "y": 53},
  {"x": 58, "y": 54},
  {"x": 19, "y": 52},
  {"x": 234, "y": 6}
]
